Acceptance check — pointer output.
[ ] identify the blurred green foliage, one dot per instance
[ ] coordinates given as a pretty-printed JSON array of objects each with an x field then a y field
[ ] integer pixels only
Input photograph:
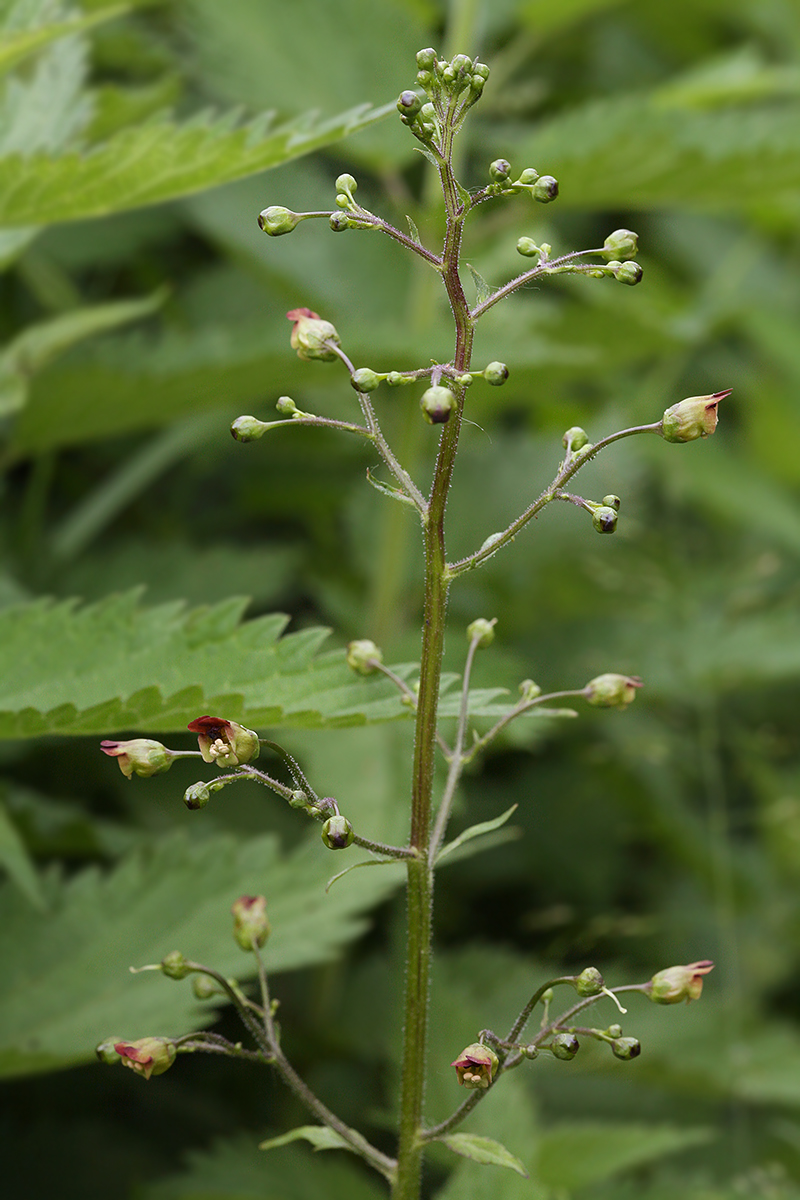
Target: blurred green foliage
[{"x": 141, "y": 309}]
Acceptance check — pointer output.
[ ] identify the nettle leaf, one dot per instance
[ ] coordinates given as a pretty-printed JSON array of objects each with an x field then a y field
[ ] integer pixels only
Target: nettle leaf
[
  {"x": 159, "y": 161},
  {"x": 584, "y": 1153},
  {"x": 483, "y": 1150},
  {"x": 16, "y": 862},
  {"x": 320, "y": 1137},
  {"x": 18, "y": 44},
  {"x": 117, "y": 665},
  {"x": 66, "y": 982}
]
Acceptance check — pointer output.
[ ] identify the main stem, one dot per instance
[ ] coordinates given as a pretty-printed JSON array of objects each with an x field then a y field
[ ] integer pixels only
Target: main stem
[{"x": 420, "y": 881}]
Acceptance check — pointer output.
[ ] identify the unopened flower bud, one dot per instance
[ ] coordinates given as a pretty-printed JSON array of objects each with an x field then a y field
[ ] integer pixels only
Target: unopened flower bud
[
  {"x": 476, "y": 1066},
  {"x": 147, "y": 1056},
  {"x": 276, "y": 220},
  {"x": 426, "y": 59},
  {"x": 197, "y": 796},
  {"x": 408, "y": 104},
  {"x": 311, "y": 336},
  {"x": 695, "y": 417},
  {"x": 496, "y": 374},
  {"x": 530, "y": 1051},
  {"x": 286, "y": 406},
  {"x": 339, "y": 221},
  {"x": 612, "y": 691},
  {"x": 248, "y": 429},
  {"x": 528, "y": 177},
  {"x": 203, "y": 987},
  {"x": 480, "y": 69},
  {"x": 614, "y": 1031},
  {"x": 299, "y": 799},
  {"x": 437, "y": 403},
  {"x": 528, "y": 248},
  {"x": 481, "y": 631},
  {"x": 324, "y": 808},
  {"x": 364, "y": 380},
  {"x": 529, "y": 690},
  {"x": 612, "y": 502},
  {"x": 174, "y": 965},
  {"x": 630, "y": 273},
  {"x": 589, "y": 983},
  {"x": 545, "y": 189},
  {"x": 337, "y": 833},
  {"x": 226, "y": 743},
  {"x": 140, "y": 756},
  {"x": 363, "y": 656},
  {"x": 605, "y": 519},
  {"x": 499, "y": 170},
  {"x": 250, "y": 925},
  {"x": 679, "y": 983},
  {"x": 626, "y": 1048},
  {"x": 564, "y": 1046},
  {"x": 346, "y": 183},
  {"x": 106, "y": 1051},
  {"x": 575, "y": 439},
  {"x": 622, "y": 244}
]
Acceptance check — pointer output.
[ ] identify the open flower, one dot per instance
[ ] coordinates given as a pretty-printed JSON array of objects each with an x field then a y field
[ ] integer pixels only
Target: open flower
[
  {"x": 679, "y": 983},
  {"x": 225, "y": 743},
  {"x": 148, "y": 1056},
  {"x": 311, "y": 336},
  {"x": 140, "y": 756},
  {"x": 695, "y": 417},
  {"x": 475, "y": 1066}
]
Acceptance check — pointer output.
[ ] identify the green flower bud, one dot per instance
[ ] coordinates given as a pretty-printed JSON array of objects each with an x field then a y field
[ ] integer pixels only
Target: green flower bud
[
  {"x": 276, "y": 220},
  {"x": 299, "y": 799},
  {"x": 476, "y": 84},
  {"x": 426, "y": 59},
  {"x": 527, "y": 248},
  {"x": 464, "y": 380},
  {"x": 363, "y": 657},
  {"x": 365, "y": 380},
  {"x": 462, "y": 65},
  {"x": 528, "y": 177},
  {"x": 286, "y": 406},
  {"x": 197, "y": 796},
  {"x": 140, "y": 756},
  {"x": 575, "y": 439},
  {"x": 612, "y": 691},
  {"x": 545, "y": 189},
  {"x": 203, "y": 987},
  {"x": 564, "y": 1046},
  {"x": 481, "y": 70},
  {"x": 226, "y": 743},
  {"x": 339, "y": 221},
  {"x": 311, "y": 336},
  {"x": 346, "y": 183},
  {"x": 174, "y": 965},
  {"x": 409, "y": 104},
  {"x": 499, "y": 170},
  {"x": 612, "y": 502},
  {"x": 628, "y": 272},
  {"x": 148, "y": 1056},
  {"x": 496, "y": 374},
  {"x": 679, "y": 983},
  {"x": 437, "y": 403},
  {"x": 397, "y": 378},
  {"x": 605, "y": 519},
  {"x": 248, "y": 429},
  {"x": 529, "y": 1051},
  {"x": 337, "y": 833},
  {"x": 626, "y": 1048},
  {"x": 482, "y": 631},
  {"x": 614, "y": 1031},
  {"x": 529, "y": 690},
  {"x": 589, "y": 983},
  {"x": 106, "y": 1053},
  {"x": 695, "y": 417},
  {"x": 476, "y": 1066},
  {"x": 622, "y": 243},
  {"x": 324, "y": 808},
  {"x": 250, "y": 925}
]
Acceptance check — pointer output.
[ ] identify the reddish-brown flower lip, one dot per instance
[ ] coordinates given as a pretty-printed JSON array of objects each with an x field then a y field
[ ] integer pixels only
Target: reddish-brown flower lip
[
  {"x": 721, "y": 395},
  {"x": 208, "y": 725}
]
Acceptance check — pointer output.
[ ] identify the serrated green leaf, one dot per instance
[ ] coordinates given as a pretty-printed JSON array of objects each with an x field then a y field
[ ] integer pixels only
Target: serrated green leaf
[
  {"x": 18, "y": 45},
  {"x": 475, "y": 831},
  {"x": 161, "y": 161},
  {"x": 581, "y": 1153},
  {"x": 483, "y": 1150},
  {"x": 320, "y": 1137},
  {"x": 65, "y": 983},
  {"x": 16, "y": 861}
]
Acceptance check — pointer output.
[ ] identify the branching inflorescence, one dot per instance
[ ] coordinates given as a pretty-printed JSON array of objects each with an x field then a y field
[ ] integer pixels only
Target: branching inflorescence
[{"x": 434, "y": 115}]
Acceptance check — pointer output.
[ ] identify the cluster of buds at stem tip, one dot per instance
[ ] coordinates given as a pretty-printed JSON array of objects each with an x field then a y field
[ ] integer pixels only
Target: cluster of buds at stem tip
[
  {"x": 225, "y": 743},
  {"x": 311, "y": 336},
  {"x": 146, "y": 1057},
  {"x": 543, "y": 188},
  {"x": 476, "y": 1066},
  {"x": 250, "y": 925},
  {"x": 611, "y": 690},
  {"x": 678, "y": 983},
  {"x": 605, "y": 515},
  {"x": 694, "y": 417},
  {"x": 140, "y": 756}
]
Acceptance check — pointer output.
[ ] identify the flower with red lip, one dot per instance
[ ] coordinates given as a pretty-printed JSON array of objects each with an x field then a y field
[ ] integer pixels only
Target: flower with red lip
[
  {"x": 611, "y": 690},
  {"x": 476, "y": 1065},
  {"x": 695, "y": 417},
  {"x": 679, "y": 983},
  {"x": 147, "y": 1056},
  {"x": 225, "y": 743},
  {"x": 140, "y": 756},
  {"x": 311, "y": 336},
  {"x": 250, "y": 925}
]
